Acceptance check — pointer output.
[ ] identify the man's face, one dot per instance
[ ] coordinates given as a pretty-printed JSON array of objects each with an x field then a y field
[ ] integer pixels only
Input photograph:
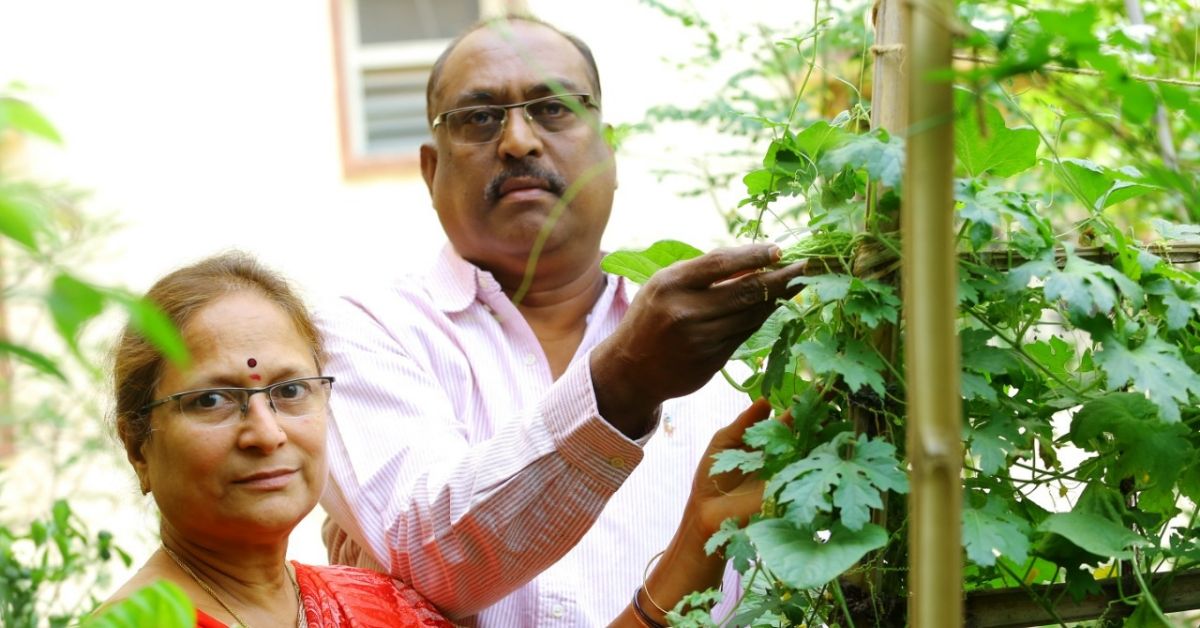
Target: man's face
[{"x": 493, "y": 199}]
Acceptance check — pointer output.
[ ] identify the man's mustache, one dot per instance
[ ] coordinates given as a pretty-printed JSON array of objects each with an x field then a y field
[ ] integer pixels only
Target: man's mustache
[{"x": 554, "y": 182}]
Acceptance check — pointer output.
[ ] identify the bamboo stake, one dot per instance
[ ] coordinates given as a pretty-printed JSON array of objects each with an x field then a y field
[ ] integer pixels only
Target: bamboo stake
[{"x": 929, "y": 284}]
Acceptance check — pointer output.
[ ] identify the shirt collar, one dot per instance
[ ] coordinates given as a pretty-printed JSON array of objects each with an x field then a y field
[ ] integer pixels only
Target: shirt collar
[{"x": 455, "y": 283}]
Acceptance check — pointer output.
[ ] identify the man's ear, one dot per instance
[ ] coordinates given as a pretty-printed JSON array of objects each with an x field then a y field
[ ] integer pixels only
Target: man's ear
[
  {"x": 612, "y": 153},
  {"x": 429, "y": 159}
]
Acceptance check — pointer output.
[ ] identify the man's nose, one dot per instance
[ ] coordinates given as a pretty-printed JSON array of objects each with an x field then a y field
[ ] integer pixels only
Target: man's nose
[{"x": 519, "y": 136}]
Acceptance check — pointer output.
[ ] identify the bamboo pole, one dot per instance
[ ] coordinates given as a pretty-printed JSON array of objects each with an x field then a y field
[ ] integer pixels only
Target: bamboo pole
[
  {"x": 929, "y": 280},
  {"x": 889, "y": 111}
]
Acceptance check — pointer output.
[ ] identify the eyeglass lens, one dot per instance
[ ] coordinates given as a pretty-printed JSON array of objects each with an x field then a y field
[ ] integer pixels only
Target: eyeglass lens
[
  {"x": 221, "y": 406},
  {"x": 480, "y": 125}
]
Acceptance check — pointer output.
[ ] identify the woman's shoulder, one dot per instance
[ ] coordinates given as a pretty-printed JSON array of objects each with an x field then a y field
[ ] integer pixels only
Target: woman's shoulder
[{"x": 341, "y": 595}]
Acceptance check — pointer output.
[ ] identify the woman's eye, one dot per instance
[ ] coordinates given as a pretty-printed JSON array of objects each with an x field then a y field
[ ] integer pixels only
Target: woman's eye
[
  {"x": 292, "y": 390},
  {"x": 207, "y": 401}
]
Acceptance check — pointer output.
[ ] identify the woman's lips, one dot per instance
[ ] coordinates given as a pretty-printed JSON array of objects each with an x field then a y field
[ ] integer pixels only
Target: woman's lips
[{"x": 268, "y": 480}]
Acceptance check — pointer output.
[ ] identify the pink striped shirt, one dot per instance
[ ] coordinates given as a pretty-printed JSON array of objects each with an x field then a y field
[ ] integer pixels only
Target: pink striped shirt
[{"x": 465, "y": 469}]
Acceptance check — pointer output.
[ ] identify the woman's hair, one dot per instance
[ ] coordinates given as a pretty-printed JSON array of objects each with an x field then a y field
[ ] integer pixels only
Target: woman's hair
[{"x": 138, "y": 365}]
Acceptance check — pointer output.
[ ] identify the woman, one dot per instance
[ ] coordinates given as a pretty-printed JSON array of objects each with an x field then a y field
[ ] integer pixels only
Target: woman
[{"x": 233, "y": 449}]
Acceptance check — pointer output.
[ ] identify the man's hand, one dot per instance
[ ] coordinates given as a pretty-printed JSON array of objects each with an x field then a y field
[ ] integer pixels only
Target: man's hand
[{"x": 682, "y": 328}]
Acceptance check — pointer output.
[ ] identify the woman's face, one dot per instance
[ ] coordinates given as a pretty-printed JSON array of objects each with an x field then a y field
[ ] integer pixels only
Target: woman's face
[{"x": 250, "y": 479}]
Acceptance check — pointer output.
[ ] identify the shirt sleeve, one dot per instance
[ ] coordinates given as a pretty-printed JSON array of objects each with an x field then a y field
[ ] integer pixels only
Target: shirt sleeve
[{"x": 464, "y": 520}]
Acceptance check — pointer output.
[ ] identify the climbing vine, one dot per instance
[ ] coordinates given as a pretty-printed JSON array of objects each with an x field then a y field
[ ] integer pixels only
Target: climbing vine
[{"x": 1077, "y": 142}]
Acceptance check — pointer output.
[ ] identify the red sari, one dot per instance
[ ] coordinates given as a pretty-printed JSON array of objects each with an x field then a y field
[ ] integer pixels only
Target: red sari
[{"x": 348, "y": 597}]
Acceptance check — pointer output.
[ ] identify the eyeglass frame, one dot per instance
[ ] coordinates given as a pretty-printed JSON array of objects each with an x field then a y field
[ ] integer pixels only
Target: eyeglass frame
[
  {"x": 250, "y": 392},
  {"x": 585, "y": 99}
]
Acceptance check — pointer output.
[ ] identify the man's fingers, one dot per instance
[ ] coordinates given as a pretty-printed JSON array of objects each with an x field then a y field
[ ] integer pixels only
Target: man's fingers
[
  {"x": 703, "y": 271},
  {"x": 754, "y": 289},
  {"x": 730, "y": 436}
]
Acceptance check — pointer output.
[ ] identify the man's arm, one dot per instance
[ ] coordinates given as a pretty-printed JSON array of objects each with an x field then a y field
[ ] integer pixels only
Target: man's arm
[
  {"x": 682, "y": 328},
  {"x": 465, "y": 523}
]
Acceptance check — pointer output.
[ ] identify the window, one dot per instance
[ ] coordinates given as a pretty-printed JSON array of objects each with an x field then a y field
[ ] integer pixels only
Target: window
[{"x": 385, "y": 50}]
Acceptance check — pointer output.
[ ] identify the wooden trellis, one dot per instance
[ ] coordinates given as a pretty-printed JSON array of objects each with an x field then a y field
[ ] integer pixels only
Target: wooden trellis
[{"x": 902, "y": 94}]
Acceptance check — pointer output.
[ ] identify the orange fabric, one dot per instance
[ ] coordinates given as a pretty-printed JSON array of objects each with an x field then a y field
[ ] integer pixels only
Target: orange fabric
[{"x": 348, "y": 597}]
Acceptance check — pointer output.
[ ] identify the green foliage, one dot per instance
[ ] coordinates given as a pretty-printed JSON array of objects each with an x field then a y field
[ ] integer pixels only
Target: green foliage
[
  {"x": 50, "y": 556},
  {"x": 1067, "y": 315},
  {"x": 161, "y": 604},
  {"x": 639, "y": 266},
  {"x": 53, "y": 557}
]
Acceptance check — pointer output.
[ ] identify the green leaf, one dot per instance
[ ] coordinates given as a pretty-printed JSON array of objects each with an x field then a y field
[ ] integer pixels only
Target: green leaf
[
  {"x": 1087, "y": 289},
  {"x": 20, "y": 221},
  {"x": 32, "y": 358},
  {"x": 1144, "y": 616},
  {"x": 737, "y": 545},
  {"x": 72, "y": 304},
  {"x": 1143, "y": 447},
  {"x": 772, "y": 436},
  {"x": 1093, "y": 533},
  {"x": 816, "y": 138},
  {"x": 823, "y": 288},
  {"x": 1155, "y": 368},
  {"x": 1172, "y": 231},
  {"x": 639, "y": 266},
  {"x": 975, "y": 386},
  {"x": 872, "y": 302},
  {"x": 856, "y": 362},
  {"x": 154, "y": 325},
  {"x": 800, "y": 560},
  {"x": 992, "y": 442},
  {"x": 759, "y": 343},
  {"x": 730, "y": 459},
  {"x": 1138, "y": 102},
  {"x": 994, "y": 530},
  {"x": 1101, "y": 187},
  {"x": 983, "y": 143},
  {"x": 805, "y": 484},
  {"x": 22, "y": 117},
  {"x": 162, "y": 604},
  {"x": 877, "y": 153},
  {"x": 1054, "y": 355}
]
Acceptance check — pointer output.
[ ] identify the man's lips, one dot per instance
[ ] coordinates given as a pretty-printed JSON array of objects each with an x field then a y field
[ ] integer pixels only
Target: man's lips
[
  {"x": 523, "y": 184},
  {"x": 268, "y": 479}
]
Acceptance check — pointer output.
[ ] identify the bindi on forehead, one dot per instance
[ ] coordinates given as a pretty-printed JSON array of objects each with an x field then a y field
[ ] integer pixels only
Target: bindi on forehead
[{"x": 253, "y": 376}]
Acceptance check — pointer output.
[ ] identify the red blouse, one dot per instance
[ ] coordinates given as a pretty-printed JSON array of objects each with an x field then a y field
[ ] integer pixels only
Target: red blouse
[{"x": 338, "y": 596}]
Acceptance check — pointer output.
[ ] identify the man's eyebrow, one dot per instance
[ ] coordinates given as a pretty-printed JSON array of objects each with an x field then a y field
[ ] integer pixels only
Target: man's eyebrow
[
  {"x": 546, "y": 88},
  {"x": 553, "y": 86}
]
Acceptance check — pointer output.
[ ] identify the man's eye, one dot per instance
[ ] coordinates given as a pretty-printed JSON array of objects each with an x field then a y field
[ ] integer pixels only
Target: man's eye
[
  {"x": 550, "y": 109},
  {"x": 481, "y": 117}
]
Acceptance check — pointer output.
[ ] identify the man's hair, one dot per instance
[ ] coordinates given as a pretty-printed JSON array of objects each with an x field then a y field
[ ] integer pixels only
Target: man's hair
[{"x": 436, "y": 73}]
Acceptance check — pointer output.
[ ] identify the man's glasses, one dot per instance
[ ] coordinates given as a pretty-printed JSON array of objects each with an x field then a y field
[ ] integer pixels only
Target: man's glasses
[
  {"x": 482, "y": 124},
  {"x": 220, "y": 407}
]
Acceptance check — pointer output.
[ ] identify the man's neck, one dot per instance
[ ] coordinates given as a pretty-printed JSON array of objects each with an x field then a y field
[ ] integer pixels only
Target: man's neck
[{"x": 556, "y": 304}]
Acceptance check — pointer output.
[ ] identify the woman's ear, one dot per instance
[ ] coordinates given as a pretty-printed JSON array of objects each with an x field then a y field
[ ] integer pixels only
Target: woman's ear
[{"x": 137, "y": 458}]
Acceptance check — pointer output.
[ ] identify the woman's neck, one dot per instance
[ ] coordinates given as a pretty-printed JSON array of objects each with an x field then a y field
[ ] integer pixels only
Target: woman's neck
[{"x": 251, "y": 582}]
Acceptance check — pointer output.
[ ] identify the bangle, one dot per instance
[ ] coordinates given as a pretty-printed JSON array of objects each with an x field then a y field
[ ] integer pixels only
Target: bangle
[
  {"x": 642, "y": 616},
  {"x": 646, "y": 588}
]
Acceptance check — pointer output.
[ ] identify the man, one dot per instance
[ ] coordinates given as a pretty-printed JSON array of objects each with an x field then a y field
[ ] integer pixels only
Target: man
[{"x": 492, "y": 424}]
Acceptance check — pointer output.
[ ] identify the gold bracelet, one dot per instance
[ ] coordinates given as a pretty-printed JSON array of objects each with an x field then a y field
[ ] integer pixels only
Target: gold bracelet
[{"x": 646, "y": 588}]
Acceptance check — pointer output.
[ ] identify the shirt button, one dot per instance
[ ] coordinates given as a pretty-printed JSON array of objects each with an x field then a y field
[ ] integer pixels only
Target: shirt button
[
  {"x": 557, "y": 611},
  {"x": 530, "y": 359},
  {"x": 617, "y": 462}
]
